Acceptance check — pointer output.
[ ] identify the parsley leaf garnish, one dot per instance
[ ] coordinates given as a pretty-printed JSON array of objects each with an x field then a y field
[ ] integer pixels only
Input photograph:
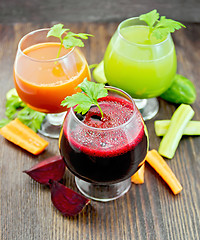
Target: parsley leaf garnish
[
  {"x": 31, "y": 118},
  {"x": 150, "y": 18},
  {"x": 4, "y": 121},
  {"x": 83, "y": 101},
  {"x": 16, "y": 108},
  {"x": 159, "y": 28},
  {"x": 70, "y": 39},
  {"x": 12, "y": 104}
]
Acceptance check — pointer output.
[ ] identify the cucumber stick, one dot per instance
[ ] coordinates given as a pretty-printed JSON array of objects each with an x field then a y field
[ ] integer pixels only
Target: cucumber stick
[
  {"x": 179, "y": 121},
  {"x": 161, "y": 127},
  {"x": 98, "y": 73}
]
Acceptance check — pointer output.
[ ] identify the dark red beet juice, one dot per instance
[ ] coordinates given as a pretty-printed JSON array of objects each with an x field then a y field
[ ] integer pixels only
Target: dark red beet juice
[{"x": 108, "y": 150}]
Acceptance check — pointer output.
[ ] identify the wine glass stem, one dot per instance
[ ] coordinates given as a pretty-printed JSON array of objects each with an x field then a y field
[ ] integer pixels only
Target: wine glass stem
[
  {"x": 147, "y": 107},
  {"x": 103, "y": 193},
  {"x": 52, "y": 124}
]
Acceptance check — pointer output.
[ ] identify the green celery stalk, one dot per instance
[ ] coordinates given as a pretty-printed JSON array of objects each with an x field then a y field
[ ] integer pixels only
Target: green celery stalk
[
  {"x": 171, "y": 139},
  {"x": 161, "y": 127}
]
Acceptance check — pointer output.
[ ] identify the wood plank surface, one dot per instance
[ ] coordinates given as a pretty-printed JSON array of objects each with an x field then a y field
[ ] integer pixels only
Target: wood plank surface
[
  {"x": 147, "y": 211},
  {"x": 94, "y": 10}
]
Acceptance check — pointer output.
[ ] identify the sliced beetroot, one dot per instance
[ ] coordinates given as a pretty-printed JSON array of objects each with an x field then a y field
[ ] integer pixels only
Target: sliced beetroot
[
  {"x": 51, "y": 168},
  {"x": 67, "y": 201}
]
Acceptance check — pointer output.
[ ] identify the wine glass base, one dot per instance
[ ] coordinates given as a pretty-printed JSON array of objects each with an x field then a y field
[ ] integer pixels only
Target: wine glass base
[
  {"x": 52, "y": 125},
  {"x": 147, "y": 107},
  {"x": 103, "y": 193}
]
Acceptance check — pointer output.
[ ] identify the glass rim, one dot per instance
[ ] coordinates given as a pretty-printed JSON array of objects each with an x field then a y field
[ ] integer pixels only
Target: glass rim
[
  {"x": 111, "y": 128},
  {"x": 138, "y": 44},
  {"x": 40, "y": 60}
]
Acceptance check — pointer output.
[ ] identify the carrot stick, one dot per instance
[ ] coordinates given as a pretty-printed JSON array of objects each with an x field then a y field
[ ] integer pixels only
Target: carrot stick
[
  {"x": 60, "y": 137},
  {"x": 161, "y": 167},
  {"x": 138, "y": 177},
  {"x": 142, "y": 163},
  {"x": 23, "y": 136}
]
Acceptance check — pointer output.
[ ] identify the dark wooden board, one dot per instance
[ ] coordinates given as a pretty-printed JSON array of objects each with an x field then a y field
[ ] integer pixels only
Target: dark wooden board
[
  {"x": 148, "y": 211},
  {"x": 12, "y": 11}
]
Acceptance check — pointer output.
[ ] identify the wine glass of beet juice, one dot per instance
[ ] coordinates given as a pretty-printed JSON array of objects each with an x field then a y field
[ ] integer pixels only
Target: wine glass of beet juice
[
  {"x": 43, "y": 81},
  {"x": 142, "y": 66},
  {"x": 103, "y": 154}
]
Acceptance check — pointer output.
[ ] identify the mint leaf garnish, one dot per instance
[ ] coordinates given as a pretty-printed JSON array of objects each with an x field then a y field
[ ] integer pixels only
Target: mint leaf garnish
[
  {"x": 159, "y": 28},
  {"x": 70, "y": 39},
  {"x": 83, "y": 101}
]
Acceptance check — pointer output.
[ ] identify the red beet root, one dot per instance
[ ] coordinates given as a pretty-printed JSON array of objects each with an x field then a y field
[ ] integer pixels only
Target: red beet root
[
  {"x": 52, "y": 168},
  {"x": 68, "y": 202}
]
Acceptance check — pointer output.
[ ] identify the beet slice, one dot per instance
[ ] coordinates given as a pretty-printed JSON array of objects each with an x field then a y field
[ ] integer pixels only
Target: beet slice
[
  {"x": 67, "y": 201},
  {"x": 51, "y": 168}
]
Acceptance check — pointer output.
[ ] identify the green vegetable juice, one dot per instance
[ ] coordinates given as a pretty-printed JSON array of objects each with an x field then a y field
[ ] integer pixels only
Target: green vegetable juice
[{"x": 138, "y": 63}]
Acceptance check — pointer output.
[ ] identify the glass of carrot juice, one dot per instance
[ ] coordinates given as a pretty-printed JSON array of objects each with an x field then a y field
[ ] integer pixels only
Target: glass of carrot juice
[
  {"x": 143, "y": 67},
  {"x": 43, "y": 81}
]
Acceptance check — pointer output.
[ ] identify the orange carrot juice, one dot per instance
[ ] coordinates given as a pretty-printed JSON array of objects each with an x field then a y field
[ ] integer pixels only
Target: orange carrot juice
[{"x": 42, "y": 81}]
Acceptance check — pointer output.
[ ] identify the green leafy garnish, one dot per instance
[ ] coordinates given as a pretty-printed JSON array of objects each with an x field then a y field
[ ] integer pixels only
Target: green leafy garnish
[
  {"x": 16, "y": 108},
  {"x": 4, "y": 121},
  {"x": 159, "y": 28},
  {"x": 70, "y": 39},
  {"x": 150, "y": 18},
  {"x": 84, "y": 100},
  {"x": 12, "y": 104},
  {"x": 31, "y": 118}
]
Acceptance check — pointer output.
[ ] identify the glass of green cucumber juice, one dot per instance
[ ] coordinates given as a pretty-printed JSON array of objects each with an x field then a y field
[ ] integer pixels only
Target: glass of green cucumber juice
[{"x": 141, "y": 65}]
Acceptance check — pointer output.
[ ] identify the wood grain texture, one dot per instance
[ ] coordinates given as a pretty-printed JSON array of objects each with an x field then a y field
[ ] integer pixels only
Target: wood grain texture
[
  {"x": 94, "y": 10},
  {"x": 148, "y": 211}
]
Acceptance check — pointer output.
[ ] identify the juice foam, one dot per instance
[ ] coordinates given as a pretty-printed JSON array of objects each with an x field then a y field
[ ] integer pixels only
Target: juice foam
[{"x": 113, "y": 140}]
